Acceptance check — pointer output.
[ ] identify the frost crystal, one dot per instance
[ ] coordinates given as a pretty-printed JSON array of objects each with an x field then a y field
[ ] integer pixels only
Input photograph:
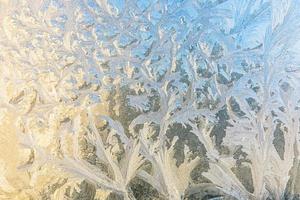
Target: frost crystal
[{"x": 149, "y": 99}]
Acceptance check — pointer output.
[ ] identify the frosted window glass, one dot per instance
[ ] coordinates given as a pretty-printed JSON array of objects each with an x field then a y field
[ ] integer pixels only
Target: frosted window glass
[{"x": 149, "y": 99}]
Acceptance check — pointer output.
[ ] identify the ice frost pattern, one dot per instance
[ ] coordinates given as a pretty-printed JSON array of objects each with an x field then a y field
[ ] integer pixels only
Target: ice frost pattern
[{"x": 151, "y": 99}]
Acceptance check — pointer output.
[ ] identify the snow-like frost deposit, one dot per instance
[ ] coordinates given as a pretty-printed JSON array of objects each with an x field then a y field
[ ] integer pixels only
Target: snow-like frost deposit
[{"x": 149, "y": 99}]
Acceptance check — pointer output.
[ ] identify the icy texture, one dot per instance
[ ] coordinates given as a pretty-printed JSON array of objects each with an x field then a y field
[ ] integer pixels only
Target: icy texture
[{"x": 149, "y": 99}]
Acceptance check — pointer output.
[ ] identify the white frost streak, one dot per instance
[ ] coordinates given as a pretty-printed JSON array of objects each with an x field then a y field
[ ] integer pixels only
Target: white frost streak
[{"x": 280, "y": 9}]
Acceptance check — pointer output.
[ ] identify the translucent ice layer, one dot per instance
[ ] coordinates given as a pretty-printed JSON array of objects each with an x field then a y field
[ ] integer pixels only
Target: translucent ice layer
[{"x": 149, "y": 99}]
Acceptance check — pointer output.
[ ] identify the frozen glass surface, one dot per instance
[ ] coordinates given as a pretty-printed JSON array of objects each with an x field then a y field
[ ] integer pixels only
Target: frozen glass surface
[{"x": 149, "y": 99}]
